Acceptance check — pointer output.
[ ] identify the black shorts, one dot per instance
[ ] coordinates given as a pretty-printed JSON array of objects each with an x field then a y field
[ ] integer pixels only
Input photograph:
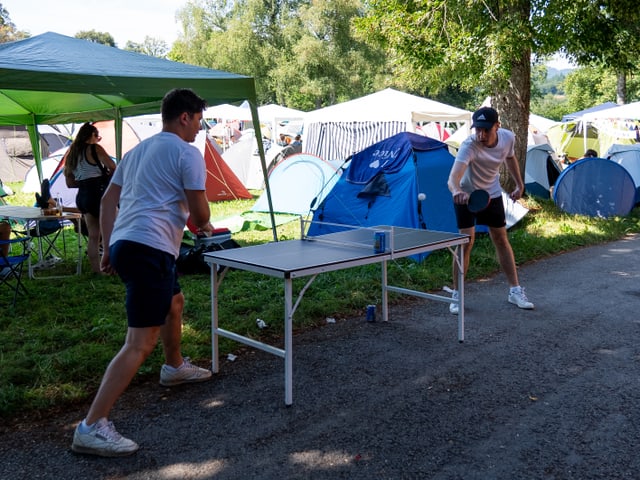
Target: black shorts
[
  {"x": 89, "y": 195},
  {"x": 150, "y": 279},
  {"x": 492, "y": 216}
]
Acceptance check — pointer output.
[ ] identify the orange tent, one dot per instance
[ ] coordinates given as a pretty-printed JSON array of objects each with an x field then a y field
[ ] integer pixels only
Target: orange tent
[{"x": 222, "y": 183}]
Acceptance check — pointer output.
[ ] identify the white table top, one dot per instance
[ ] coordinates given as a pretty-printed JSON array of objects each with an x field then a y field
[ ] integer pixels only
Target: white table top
[{"x": 31, "y": 213}]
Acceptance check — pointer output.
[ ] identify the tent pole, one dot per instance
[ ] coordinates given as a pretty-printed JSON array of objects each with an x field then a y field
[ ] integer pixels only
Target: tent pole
[
  {"x": 256, "y": 126},
  {"x": 117, "y": 124},
  {"x": 34, "y": 137}
]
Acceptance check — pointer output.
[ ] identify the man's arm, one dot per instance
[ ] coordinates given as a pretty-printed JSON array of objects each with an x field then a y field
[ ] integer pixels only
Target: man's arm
[
  {"x": 514, "y": 171},
  {"x": 199, "y": 211},
  {"x": 108, "y": 212},
  {"x": 455, "y": 177}
]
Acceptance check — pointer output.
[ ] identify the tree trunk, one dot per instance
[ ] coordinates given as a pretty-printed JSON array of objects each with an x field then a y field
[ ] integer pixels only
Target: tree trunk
[
  {"x": 621, "y": 88},
  {"x": 513, "y": 106}
]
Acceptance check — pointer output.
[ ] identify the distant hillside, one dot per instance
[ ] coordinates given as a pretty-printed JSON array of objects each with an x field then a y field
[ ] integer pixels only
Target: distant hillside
[{"x": 554, "y": 72}]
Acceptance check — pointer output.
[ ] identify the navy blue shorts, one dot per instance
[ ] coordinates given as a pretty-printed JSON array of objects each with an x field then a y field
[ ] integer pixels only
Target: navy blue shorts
[
  {"x": 492, "y": 216},
  {"x": 149, "y": 276}
]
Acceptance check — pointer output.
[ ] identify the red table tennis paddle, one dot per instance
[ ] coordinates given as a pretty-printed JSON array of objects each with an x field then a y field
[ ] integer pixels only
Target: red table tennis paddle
[{"x": 478, "y": 201}]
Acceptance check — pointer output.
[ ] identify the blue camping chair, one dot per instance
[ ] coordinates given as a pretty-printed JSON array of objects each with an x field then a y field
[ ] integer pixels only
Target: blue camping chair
[{"x": 12, "y": 265}]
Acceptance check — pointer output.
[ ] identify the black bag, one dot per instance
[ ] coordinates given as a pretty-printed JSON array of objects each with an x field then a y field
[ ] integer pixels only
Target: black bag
[{"x": 190, "y": 260}]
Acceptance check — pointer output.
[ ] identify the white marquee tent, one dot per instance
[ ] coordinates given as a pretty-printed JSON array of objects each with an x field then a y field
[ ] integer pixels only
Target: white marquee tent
[
  {"x": 615, "y": 125},
  {"x": 337, "y": 132}
]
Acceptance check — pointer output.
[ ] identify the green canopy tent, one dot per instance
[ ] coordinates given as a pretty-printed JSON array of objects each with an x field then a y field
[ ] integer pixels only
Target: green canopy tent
[{"x": 53, "y": 79}]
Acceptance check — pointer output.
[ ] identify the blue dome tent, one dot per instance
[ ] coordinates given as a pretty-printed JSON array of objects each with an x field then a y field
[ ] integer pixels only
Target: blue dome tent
[
  {"x": 596, "y": 187},
  {"x": 381, "y": 186}
]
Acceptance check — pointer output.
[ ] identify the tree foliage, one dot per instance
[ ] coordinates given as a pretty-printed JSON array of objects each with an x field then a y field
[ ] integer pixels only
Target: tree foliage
[
  {"x": 302, "y": 54},
  {"x": 482, "y": 47},
  {"x": 8, "y": 31},
  {"x": 605, "y": 34},
  {"x": 104, "y": 38},
  {"x": 486, "y": 46},
  {"x": 154, "y": 47},
  {"x": 592, "y": 85}
]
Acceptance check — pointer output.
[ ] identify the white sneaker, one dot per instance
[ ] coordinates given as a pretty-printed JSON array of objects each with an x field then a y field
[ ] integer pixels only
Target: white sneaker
[
  {"x": 454, "y": 307},
  {"x": 518, "y": 297},
  {"x": 102, "y": 439},
  {"x": 186, "y": 373}
]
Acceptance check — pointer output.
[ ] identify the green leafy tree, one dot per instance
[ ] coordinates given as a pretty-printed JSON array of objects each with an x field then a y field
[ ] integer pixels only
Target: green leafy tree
[
  {"x": 97, "y": 37},
  {"x": 199, "y": 19},
  {"x": 480, "y": 47},
  {"x": 604, "y": 34},
  {"x": 8, "y": 31},
  {"x": 302, "y": 54},
  {"x": 593, "y": 85},
  {"x": 325, "y": 62},
  {"x": 154, "y": 47},
  {"x": 234, "y": 36},
  {"x": 486, "y": 46}
]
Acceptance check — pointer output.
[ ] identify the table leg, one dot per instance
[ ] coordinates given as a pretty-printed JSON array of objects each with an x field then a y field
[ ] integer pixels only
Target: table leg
[
  {"x": 385, "y": 292},
  {"x": 461, "y": 273},
  {"x": 215, "y": 362},
  {"x": 79, "y": 268},
  {"x": 288, "y": 341}
]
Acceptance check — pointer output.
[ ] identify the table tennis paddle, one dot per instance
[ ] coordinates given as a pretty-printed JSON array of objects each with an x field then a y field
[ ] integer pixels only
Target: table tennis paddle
[{"x": 478, "y": 201}]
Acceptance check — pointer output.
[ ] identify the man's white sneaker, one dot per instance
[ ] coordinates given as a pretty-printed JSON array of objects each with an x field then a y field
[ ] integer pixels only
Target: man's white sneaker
[
  {"x": 454, "y": 307},
  {"x": 518, "y": 297},
  {"x": 102, "y": 439},
  {"x": 185, "y": 373}
]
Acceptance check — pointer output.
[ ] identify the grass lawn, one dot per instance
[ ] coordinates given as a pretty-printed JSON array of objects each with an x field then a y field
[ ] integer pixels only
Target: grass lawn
[{"x": 55, "y": 344}]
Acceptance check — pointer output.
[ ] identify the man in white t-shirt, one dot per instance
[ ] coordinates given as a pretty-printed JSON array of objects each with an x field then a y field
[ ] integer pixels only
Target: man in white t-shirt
[
  {"x": 156, "y": 187},
  {"x": 477, "y": 167}
]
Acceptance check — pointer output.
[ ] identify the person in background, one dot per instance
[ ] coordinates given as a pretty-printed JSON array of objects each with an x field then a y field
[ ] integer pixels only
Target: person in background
[
  {"x": 5, "y": 227},
  {"x": 477, "y": 167},
  {"x": 5, "y": 234},
  {"x": 297, "y": 144},
  {"x": 89, "y": 167},
  {"x": 157, "y": 186},
  {"x": 590, "y": 153},
  {"x": 282, "y": 140}
]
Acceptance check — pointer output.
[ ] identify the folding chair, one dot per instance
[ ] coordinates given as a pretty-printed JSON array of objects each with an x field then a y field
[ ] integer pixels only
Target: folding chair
[
  {"x": 11, "y": 266},
  {"x": 48, "y": 232},
  {"x": 45, "y": 233}
]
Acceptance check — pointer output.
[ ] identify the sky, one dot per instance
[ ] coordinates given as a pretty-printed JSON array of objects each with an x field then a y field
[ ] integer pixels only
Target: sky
[
  {"x": 560, "y": 62},
  {"x": 123, "y": 19}
]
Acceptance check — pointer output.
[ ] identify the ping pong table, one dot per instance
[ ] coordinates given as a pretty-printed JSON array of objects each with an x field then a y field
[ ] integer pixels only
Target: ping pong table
[{"x": 312, "y": 255}]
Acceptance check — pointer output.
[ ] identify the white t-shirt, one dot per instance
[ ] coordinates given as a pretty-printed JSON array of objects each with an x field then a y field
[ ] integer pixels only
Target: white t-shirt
[
  {"x": 483, "y": 163},
  {"x": 153, "y": 205}
]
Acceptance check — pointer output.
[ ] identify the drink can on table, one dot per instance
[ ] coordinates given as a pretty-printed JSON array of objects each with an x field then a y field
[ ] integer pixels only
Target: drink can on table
[{"x": 379, "y": 241}]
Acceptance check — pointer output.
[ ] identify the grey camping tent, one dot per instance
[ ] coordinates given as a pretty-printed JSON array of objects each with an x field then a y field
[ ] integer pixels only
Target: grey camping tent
[
  {"x": 629, "y": 157},
  {"x": 541, "y": 171}
]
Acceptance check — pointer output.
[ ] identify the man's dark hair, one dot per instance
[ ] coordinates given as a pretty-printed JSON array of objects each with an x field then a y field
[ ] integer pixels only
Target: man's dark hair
[{"x": 180, "y": 100}]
